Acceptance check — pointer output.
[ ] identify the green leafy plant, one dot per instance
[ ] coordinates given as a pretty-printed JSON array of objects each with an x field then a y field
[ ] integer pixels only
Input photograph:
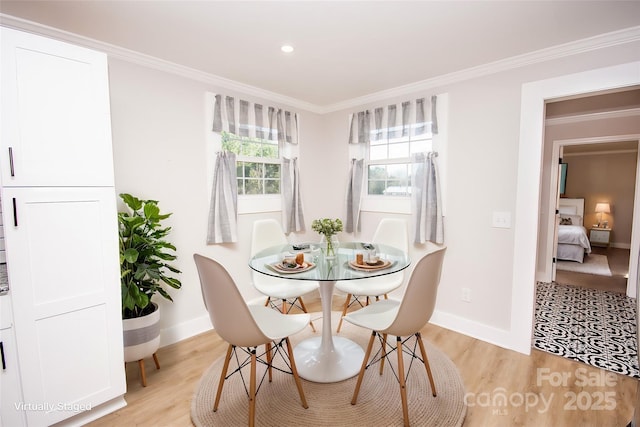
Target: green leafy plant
[
  {"x": 328, "y": 228},
  {"x": 144, "y": 256}
]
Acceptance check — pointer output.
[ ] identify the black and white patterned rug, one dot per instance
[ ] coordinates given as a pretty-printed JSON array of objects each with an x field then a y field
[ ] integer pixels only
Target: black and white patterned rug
[{"x": 588, "y": 325}]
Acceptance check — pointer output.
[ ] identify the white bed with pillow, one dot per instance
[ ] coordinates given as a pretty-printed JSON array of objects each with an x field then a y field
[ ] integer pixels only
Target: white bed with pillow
[{"x": 573, "y": 241}]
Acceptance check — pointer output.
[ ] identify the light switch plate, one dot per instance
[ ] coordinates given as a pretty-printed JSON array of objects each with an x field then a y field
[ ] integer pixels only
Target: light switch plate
[{"x": 501, "y": 220}]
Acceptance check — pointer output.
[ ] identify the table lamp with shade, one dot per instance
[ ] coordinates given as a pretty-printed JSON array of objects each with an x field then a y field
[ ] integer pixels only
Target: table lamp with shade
[{"x": 600, "y": 209}]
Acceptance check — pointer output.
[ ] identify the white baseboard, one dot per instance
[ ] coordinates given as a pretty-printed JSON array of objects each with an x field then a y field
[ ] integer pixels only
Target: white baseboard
[
  {"x": 98, "y": 412},
  {"x": 499, "y": 337},
  {"x": 185, "y": 330},
  {"x": 257, "y": 301},
  {"x": 496, "y": 336},
  {"x": 620, "y": 245},
  {"x": 198, "y": 325}
]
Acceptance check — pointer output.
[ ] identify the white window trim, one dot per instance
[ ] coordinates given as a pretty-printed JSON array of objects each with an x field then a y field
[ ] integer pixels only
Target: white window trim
[
  {"x": 386, "y": 204},
  {"x": 402, "y": 204},
  {"x": 247, "y": 204}
]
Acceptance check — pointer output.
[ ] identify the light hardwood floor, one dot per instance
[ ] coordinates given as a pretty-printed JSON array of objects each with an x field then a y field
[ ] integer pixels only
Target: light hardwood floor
[{"x": 574, "y": 394}]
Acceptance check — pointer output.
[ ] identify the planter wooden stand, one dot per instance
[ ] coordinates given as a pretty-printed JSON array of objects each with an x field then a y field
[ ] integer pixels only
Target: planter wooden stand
[
  {"x": 142, "y": 339},
  {"x": 143, "y": 376}
]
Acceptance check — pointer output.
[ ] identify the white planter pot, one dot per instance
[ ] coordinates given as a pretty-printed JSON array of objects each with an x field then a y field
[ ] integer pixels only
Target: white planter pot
[{"x": 141, "y": 336}]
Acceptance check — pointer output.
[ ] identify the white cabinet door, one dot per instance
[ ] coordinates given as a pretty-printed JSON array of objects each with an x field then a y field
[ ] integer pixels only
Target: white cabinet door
[
  {"x": 62, "y": 255},
  {"x": 56, "y": 126},
  {"x": 11, "y": 403}
]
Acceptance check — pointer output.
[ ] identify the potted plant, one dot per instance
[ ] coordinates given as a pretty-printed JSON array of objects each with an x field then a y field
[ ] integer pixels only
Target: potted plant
[{"x": 144, "y": 271}]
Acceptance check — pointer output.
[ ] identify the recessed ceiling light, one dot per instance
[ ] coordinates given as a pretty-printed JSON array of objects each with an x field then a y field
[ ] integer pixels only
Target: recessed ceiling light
[{"x": 286, "y": 48}]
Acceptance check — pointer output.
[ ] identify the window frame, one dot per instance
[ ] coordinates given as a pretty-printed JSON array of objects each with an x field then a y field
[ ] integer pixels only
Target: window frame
[
  {"x": 247, "y": 204},
  {"x": 264, "y": 161},
  {"x": 401, "y": 204},
  {"x": 395, "y": 161}
]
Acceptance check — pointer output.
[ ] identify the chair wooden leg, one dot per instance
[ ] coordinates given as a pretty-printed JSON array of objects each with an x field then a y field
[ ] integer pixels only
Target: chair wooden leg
[
  {"x": 426, "y": 364},
  {"x": 403, "y": 386},
  {"x": 267, "y": 347},
  {"x": 304, "y": 308},
  {"x": 363, "y": 368},
  {"x": 386, "y": 296},
  {"x": 252, "y": 390},
  {"x": 266, "y": 304},
  {"x": 344, "y": 311},
  {"x": 223, "y": 374},
  {"x": 384, "y": 351},
  {"x": 294, "y": 371},
  {"x": 143, "y": 376},
  {"x": 155, "y": 360},
  {"x": 284, "y": 306}
]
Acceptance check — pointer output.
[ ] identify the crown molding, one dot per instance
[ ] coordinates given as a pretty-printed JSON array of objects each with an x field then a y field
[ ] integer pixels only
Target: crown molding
[
  {"x": 627, "y": 35},
  {"x": 149, "y": 61}
]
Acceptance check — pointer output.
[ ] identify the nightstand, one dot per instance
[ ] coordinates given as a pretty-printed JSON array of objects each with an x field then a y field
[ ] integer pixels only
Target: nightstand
[{"x": 600, "y": 236}]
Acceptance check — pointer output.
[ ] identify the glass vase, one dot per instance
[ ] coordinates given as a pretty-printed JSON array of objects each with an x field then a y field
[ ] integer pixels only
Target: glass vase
[{"x": 330, "y": 245}]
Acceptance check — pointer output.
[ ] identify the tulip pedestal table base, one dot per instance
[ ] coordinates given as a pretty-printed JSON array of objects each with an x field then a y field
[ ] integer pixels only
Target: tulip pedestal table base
[{"x": 328, "y": 359}]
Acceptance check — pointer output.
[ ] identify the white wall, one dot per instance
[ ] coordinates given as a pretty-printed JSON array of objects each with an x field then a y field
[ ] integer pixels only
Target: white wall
[
  {"x": 159, "y": 137},
  {"x": 158, "y": 132}
]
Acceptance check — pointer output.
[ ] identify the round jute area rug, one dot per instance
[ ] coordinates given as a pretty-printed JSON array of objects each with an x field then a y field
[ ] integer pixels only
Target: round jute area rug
[{"x": 278, "y": 403}]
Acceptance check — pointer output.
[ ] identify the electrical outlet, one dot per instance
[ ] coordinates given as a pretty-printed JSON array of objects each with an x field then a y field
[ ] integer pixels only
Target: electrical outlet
[{"x": 466, "y": 294}]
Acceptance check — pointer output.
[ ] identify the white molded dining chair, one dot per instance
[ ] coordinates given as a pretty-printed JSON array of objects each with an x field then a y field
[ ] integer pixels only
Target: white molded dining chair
[
  {"x": 402, "y": 319},
  {"x": 246, "y": 328},
  {"x": 266, "y": 233},
  {"x": 392, "y": 232}
]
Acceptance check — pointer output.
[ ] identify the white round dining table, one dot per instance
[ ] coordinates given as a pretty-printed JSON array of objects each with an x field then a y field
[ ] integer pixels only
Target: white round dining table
[{"x": 328, "y": 358}]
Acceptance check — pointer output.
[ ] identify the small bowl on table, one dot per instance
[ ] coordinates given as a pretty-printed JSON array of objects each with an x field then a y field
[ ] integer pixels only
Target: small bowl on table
[{"x": 372, "y": 260}]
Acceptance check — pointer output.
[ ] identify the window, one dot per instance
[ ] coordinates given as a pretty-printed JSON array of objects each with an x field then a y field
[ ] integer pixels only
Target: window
[
  {"x": 376, "y": 135},
  {"x": 389, "y": 162},
  {"x": 258, "y": 164}
]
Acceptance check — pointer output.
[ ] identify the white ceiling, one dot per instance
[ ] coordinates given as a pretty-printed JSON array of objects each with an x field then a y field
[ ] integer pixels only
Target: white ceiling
[{"x": 343, "y": 49}]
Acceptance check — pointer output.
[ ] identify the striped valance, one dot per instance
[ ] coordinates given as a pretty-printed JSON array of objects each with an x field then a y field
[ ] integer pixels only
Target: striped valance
[
  {"x": 407, "y": 118},
  {"x": 244, "y": 118}
]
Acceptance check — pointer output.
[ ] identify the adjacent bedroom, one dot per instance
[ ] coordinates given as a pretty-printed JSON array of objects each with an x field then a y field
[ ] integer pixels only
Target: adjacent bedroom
[
  {"x": 584, "y": 308},
  {"x": 573, "y": 240},
  {"x": 596, "y": 215}
]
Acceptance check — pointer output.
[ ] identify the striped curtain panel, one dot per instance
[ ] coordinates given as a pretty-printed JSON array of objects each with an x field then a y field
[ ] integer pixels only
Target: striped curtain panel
[
  {"x": 292, "y": 211},
  {"x": 407, "y": 118},
  {"x": 354, "y": 195},
  {"x": 223, "y": 211},
  {"x": 426, "y": 209},
  {"x": 244, "y": 118}
]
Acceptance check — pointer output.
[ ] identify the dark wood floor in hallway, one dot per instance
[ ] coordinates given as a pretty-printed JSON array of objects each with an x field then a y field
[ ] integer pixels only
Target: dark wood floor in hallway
[{"x": 618, "y": 263}]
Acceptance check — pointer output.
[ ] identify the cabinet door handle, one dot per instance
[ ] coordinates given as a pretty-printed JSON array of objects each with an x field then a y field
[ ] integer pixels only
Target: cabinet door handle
[
  {"x": 11, "y": 161},
  {"x": 4, "y": 363},
  {"x": 15, "y": 213}
]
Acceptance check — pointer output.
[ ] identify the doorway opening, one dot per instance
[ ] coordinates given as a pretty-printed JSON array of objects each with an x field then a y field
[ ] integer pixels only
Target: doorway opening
[
  {"x": 604, "y": 170},
  {"x": 584, "y": 310},
  {"x": 529, "y": 181},
  {"x": 594, "y": 137}
]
